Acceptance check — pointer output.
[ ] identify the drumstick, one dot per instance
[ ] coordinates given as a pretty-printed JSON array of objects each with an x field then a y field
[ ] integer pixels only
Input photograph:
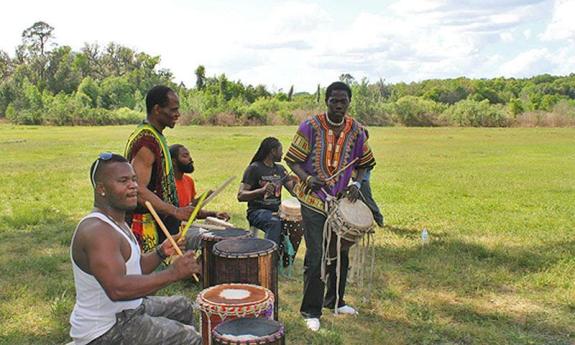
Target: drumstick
[
  {"x": 166, "y": 232},
  {"x": 194, "y": 214},
  {"x": 341, "y": 170},
  {"x": 219, "y": 189}
]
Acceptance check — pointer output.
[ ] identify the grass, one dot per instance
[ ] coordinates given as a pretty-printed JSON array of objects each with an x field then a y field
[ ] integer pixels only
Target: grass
[{"x": 498, "y": 203}]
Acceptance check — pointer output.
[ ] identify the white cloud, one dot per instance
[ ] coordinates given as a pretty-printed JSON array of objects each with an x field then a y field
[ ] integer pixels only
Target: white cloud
[
  {"x": 562, "y": 25},
  {"x": 305, "y": 43},
  {"x": 528, "y": 63}
]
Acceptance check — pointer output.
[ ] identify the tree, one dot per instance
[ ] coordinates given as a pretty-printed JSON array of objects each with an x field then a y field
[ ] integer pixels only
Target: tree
[
  {"x": 36, "y": 37},
  {"x": 200, "y": 77},
  {"x": 347, "y": 78},
  {"x": 5, "y": 65},
  {"x": 290, "y": 94}
]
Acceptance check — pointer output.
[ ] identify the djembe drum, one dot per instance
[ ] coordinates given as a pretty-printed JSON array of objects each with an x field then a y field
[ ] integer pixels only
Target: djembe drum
[
  {"x": 292, "y": 229},
  {"x": 248, "y": 331},
  {"x": 209, "y": 239},
  {"x": 250, "y": 261},
  {"x": 231, "y": 301},
  {"x": 349, "y": 221}
]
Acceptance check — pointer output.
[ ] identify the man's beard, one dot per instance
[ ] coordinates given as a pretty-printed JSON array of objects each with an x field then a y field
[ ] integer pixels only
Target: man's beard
[{"x": 186, "y": 168}]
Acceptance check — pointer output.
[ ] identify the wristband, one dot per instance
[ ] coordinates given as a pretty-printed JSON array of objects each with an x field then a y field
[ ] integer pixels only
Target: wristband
[
  {"x": 357, "y": 184},
  {"x": 159, "y": 252},
  {"x": 307, "y": 179}
]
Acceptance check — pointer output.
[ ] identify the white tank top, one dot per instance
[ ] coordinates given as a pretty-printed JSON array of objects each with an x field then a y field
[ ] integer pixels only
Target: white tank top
[{"x": 94, "y": 313}]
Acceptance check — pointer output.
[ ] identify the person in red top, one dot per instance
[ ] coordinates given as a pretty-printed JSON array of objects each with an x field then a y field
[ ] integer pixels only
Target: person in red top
[{"x": 185, "y": 185}]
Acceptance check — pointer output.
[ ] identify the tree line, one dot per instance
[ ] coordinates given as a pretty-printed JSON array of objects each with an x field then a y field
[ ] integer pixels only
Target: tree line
[{"x": 45, "y": 83}]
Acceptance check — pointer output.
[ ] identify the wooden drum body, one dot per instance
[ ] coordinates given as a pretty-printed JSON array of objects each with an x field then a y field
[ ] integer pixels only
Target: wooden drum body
[
  {"x": 250, "y": 261},
  {"x": 250, "y": 331},
  {"x": 232, "y": 301},
  {"x": 350, "y": 221},
  {"x": 292, "y": 227},
  {"x": 209, "y": 239}
]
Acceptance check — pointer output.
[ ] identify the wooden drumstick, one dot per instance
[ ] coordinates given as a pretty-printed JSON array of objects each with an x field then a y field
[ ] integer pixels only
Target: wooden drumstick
[
  {"x": 193, "y": 215},
  {"x": 218, "y": 190},
  {"x": 166, "y": 232},
  {"x": 342, "y": 169}
]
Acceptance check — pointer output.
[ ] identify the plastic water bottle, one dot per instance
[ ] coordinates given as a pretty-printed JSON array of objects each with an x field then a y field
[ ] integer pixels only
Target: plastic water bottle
[{"x": 424, "y": 237}]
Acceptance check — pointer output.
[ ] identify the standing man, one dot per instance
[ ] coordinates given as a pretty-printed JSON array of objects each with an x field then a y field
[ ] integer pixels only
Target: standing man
[
  {"x": 148, "y": 151},
  {"x": 113, "y": 279},
  {"x": 261, "y": 188},
  {"x": 322, "y": 145},
  {"x": 366, "y": 194}
]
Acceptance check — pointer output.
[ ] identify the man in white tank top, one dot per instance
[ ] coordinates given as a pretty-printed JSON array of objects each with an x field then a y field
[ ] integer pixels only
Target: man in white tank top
[{"x": 113, "y": 279}]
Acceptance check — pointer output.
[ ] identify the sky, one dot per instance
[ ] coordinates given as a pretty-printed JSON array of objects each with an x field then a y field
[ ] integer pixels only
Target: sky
[{"x": 284, "y": 43}]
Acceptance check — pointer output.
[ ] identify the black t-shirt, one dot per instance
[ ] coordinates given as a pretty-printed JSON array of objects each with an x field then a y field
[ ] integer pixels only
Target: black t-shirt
[{"x": 256, "y": 175}]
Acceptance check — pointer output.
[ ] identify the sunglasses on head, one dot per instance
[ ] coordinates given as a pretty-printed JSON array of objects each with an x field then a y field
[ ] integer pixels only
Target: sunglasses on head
[{"x": 103, "y": 156}]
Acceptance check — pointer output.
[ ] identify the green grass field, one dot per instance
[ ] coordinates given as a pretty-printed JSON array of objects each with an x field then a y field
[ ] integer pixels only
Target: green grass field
[{"x": 499, "y": 205}]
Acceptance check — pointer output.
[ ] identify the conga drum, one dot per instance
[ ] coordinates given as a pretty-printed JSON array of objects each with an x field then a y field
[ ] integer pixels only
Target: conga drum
[
  {"x": 292, "y": 228},
  {"x": 250, "y": 261},
  {"x": 209, "y": 239},
  {"x": 250, "y": 331},
  {"x": 230, "y": 301}
]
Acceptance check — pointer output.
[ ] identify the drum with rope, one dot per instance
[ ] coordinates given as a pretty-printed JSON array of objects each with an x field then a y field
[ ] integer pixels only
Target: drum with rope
[
  {"x": 250, "y": 261},
  {"x": 292, "y": 230},
  {"x": 248, "y": 331},
  {"x": 209, "y": 239},
  {"x": 231, "y": 301}
]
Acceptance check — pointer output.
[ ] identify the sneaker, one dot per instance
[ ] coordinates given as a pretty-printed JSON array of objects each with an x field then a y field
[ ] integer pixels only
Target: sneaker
[
  {"x": 345, "y": 309},
  {"x": 312, "y": 324}
]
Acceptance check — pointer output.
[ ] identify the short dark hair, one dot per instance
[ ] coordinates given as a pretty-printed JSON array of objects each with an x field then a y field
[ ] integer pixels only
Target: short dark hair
[
  {"x": 175, "y": 150},
  {"x": 99, "y": 163},
  {"x": 157, "y": 95},
  {"x": 338, "y": 85}
]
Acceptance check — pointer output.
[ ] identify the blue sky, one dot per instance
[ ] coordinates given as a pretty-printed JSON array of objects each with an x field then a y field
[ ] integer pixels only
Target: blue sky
[{"x": 281, "y": 43}]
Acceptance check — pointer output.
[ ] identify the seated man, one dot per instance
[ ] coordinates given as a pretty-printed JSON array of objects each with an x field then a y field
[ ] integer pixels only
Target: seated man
[
  {"x": 186, "y": 188},
  {"x": 113, "y": 278},
  {"x": 185, "y": 185},
  {"x": 261, "y": 188}
]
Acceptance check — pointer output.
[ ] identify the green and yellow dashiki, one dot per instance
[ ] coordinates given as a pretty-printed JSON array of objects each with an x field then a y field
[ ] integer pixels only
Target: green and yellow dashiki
[
  {"x": 321, "y": 154},
  {"x": 162, "y": 183}
]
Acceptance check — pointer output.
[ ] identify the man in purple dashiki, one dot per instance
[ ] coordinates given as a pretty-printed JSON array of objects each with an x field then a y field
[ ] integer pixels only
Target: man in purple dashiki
[{"x": 323, "y": 145}]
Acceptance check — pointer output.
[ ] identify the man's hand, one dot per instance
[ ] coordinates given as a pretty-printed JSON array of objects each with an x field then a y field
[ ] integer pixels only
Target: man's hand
[
  {"x": 268, "y": 189},
  {"x": 352, "y": 193},
  {"x": 183, "y": 213},
  {"x": 185, "y": 266},
  {"x": 315, "y": 183},
  {"x": 223, "y": 215},
  {"x": 169, "y": 250}
]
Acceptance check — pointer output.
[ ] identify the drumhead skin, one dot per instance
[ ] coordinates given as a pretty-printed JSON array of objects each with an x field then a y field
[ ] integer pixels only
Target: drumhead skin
[
  {"x": 356, "y": 213},
  {"x": 233, "y": 295},
  {"x": 244, "y": 248},
  {"x": 248, "y": 331},
  {"x": 217, "y": 235}
]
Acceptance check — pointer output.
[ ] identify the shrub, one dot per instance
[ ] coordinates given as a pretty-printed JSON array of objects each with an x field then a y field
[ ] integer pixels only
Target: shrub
[{"x": 475, "y": 114}]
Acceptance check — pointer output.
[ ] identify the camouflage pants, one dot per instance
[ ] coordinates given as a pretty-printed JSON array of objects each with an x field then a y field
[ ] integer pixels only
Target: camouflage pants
[{"x": 159, "y": 320}]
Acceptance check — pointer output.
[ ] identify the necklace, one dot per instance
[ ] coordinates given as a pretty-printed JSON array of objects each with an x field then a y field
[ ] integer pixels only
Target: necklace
[{"x": 335, "y": 124}]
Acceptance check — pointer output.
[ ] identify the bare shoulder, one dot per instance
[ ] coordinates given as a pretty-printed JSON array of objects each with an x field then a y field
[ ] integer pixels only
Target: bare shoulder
[{"x": 94, "y": 231}]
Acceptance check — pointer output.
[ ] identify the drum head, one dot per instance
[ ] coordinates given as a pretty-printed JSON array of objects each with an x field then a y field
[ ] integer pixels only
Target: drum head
[
  {"x": 246, "y": 329},
  {"x": 356, "y": 213},
  {"x": 217, "y": 235},
  {"x": 245, "y": 247},
  {"x": 234, "y": 295}
]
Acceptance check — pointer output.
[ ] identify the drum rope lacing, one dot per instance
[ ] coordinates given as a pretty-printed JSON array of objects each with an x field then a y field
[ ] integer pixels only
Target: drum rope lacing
[
  {"x": 341, "y": 231},
  {"x": 237, "y": 311}
]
